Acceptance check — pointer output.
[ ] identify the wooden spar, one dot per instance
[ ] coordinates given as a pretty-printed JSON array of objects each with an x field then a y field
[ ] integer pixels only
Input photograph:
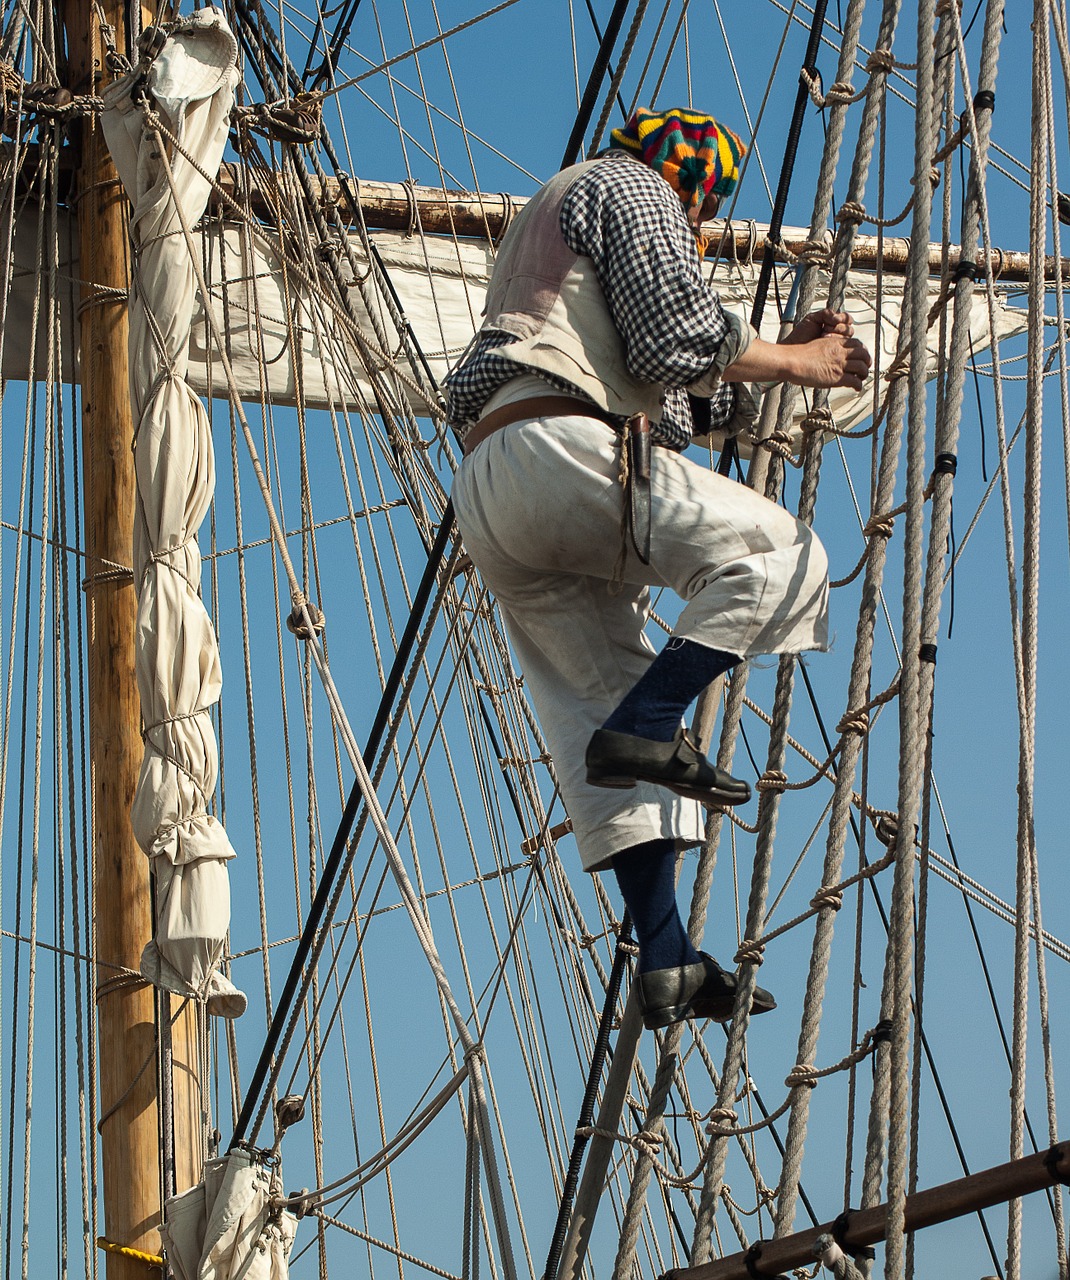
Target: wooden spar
[
  {"x": 130, "y": 1139},
  {"x": 394, "y": 206},
  {"x": 867, "y": 1226}
]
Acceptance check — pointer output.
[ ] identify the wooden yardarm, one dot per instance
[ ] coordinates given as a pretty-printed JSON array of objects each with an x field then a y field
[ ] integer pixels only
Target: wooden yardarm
[{"x": 863, "y": 1227}]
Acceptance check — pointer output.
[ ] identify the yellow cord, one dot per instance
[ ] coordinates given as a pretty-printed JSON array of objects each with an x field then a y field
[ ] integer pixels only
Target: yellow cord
[
  {"x": 702, "y": 243},
  {"x": 124, "y": 1251}
]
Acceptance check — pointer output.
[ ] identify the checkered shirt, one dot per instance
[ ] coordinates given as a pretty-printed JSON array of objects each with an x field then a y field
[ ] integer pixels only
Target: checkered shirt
[{"x": 628, "y": 221}]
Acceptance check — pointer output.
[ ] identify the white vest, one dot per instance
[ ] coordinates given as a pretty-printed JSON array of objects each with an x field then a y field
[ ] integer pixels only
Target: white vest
[{"x": 549, "y": 298}]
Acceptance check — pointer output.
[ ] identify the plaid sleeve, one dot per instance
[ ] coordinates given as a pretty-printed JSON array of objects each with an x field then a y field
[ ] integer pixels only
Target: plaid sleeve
[{"x": 627, "y": 220}]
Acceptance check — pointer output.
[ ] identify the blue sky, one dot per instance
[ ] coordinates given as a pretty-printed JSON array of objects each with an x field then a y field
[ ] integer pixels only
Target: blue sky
[{"x": 517, "y": 89}]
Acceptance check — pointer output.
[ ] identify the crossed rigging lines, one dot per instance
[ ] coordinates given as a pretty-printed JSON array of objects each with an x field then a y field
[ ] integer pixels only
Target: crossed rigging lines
[{"x": 415, "y": 462}]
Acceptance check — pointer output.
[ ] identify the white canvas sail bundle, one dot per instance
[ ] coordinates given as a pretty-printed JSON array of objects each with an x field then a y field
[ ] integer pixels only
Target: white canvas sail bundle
[
  {"x": 228, "y": 1226},
  {"x": 191, "y": 82}
]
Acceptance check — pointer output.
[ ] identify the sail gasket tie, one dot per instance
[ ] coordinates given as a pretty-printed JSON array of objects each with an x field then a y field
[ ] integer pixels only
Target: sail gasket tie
[
  {"x": 750, "y": 1261},
  {"x": 839, "y": 1234}
]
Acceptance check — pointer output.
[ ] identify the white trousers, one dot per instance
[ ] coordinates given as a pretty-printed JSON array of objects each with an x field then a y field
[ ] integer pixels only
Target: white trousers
[{"x": 539, "y": 506}]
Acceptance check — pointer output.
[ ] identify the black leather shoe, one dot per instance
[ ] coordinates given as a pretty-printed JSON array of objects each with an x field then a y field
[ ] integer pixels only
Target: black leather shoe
[
  {"x": 700, "y": 990},
  {"x": 622, "y": 759}
]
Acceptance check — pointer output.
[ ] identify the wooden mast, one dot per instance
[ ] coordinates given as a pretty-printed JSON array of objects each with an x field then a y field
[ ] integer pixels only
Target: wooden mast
[{"x": 128, "y": 1068}]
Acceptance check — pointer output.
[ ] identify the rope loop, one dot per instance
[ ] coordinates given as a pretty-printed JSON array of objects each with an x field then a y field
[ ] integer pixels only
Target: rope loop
[
  {"x": 817, "y": 253},
  {"x": 818, "y": 419},
  {"x": 880, "y": 60},
  {"x": 751, "y": 951},
  {"x": 879, "y": 526},
  {"x": 854, "y": 721},
  {"x": 827, "y": 896},
  {"x": 851, "y": 211},
  {"x": 719, "y": 1116},
  {"x": 409, "y": 187},
  {"x": 773, "y": 780},
  {"x": 802, "y": 1075}
]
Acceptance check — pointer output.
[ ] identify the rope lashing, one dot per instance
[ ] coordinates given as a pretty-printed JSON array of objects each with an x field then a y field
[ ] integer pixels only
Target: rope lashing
[
  {"x": 984, "y": 100},
  {"x": 882, "y": 60},
  {"x": 839, "y": 1233},
  {"x": 750, "y": 1261},
  {"x": 125, "y": 1251},
  {"x": 1053, "y": 1161},
  {"x": 885, "y": 828},
  {"x": 817, "y": 419},
  {"x": 773, "y": 780},
  {"x": 778, "y": 443},
  {"x": 829, "y": 896},
  {"x": 856, "y": 719},
  {"x": 297, "y": 625},
  {"x": 927, "y": 653},
  {"x": 832, "y": 1257},
  {"x": 840, "y": 91}
]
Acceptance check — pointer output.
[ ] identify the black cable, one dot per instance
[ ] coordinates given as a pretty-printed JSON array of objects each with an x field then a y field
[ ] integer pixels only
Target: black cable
[
  {"x": 338, "y": 849},
  {"x": 594, "y": 84},
  {"x": 590, "y": 1097},
  {"x": 333, "y": 50},
  {"x": 787, "y": 168}
]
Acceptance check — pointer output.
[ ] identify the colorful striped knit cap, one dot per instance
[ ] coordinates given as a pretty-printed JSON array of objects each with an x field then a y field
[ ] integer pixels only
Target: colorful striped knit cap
[{"x": 695, "y": 155}]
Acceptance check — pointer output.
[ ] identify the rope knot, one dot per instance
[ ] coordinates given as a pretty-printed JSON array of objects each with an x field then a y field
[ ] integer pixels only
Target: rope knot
[
  {"x": 827, "y": 896},
  {"x": 773, "y": 780},
  {"x": 879, "y": 526},
  {"x": 296, "y": 623},
  {"x": 778, "y": 443},
  {"x": 818, "y": 419},
  {"x": 854, "y": 722},
  {"x": 647, "y": 1142},
  {"x": 751, "y": 951},
  {"x": 802, "y": 1074},
  {"x": 841, "y": 91},
  {"x": 720, "y": 1116},
  {"x": 886, "y": 828},
  {"x": 880, "y": 60},
  {"x": 817, "y": 252},
  {"x": 851, "y": 211}
]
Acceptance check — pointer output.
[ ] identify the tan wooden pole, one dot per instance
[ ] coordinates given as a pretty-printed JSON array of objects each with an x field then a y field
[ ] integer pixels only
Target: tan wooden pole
[
  {"x": 395, "y": 206},
  {"x": 130, "y": 1163},
  {"x": 863, "y": 1227}
]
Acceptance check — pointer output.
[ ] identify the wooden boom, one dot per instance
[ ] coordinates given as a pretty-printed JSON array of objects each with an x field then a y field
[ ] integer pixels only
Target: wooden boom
[
  {"x": 486, "y": 215},
  {"x": 864, "y": 1227}
]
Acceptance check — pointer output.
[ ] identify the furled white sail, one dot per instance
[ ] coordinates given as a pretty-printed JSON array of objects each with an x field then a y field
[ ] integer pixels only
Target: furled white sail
[
  {"x": 190, "y": 85},
  {"x": 229, "y": 1225},
  {"x": 441, "y": 285}
]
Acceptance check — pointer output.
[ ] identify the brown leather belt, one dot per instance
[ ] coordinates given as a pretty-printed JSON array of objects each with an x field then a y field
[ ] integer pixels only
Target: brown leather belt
[{"x": 532, "y": 407}]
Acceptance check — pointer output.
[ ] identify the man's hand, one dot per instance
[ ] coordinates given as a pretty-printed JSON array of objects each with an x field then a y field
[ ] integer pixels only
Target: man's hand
[
  {"x": 820, "y": 324},
  {"x": 821, "y": 351}
]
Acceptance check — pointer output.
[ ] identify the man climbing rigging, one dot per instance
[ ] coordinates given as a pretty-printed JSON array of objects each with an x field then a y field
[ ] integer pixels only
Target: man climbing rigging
[{"x": 598, "y": 329}]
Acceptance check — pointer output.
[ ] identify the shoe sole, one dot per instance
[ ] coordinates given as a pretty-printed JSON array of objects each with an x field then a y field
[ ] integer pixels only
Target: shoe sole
[
  {"x": 704, "y": 795},
  {"x": 683, "y": 1012}
]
